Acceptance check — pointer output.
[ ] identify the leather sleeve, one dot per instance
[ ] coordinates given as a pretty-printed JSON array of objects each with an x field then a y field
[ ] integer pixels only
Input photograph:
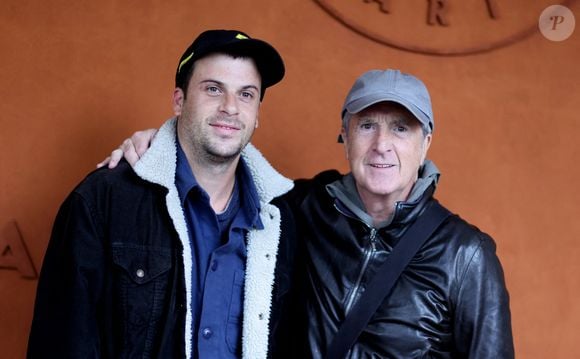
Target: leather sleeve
[
  {"x": 482, "y": 315},
  {"x": 65, "y": 314}
]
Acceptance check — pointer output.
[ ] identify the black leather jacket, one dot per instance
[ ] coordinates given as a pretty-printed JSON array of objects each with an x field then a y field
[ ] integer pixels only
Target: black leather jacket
[{"x": 450, "y": 302}]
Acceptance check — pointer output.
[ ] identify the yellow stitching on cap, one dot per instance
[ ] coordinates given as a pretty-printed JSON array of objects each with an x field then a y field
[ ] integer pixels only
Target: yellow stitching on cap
[
  {"x": 241, "y": 37},
  {"x": 184, "y": 62}
]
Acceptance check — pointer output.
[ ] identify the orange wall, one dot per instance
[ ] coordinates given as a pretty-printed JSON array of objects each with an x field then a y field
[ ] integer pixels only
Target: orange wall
[{"x": 79, "y": 76}]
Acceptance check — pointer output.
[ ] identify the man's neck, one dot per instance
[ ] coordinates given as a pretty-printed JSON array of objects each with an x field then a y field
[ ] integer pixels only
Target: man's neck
[
  {"x": 380, "y": 211},
  {"x": 217, "y": 179},
  {"x": 381, "y": 208}
]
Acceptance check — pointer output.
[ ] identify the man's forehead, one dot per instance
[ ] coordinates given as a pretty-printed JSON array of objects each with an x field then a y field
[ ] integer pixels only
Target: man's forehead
[
  {"x": 219, "y": 61},
  {"x": 386, "y": 109},
  {"x": 226, "y": 69}
]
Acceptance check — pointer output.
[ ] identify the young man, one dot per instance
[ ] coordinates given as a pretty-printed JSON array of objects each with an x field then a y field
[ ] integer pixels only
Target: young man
[
  {"x": 451, "y": 300},
  {"x": 165, "y": 259}
]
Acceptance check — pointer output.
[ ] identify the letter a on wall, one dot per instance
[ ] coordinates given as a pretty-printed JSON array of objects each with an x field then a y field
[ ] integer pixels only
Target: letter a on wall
[{"x": 13, "y": 252}]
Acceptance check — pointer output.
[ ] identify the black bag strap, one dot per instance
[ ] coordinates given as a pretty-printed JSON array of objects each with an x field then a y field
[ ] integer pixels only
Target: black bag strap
[{"x": 382, "y": 282}]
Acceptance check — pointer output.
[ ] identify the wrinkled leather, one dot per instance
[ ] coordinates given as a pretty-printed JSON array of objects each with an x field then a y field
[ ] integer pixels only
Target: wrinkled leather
[{"x": 450, "y": 302}]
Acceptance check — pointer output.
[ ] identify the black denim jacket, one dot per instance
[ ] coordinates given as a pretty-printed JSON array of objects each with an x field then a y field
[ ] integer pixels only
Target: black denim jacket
[{"x": 112, "y": 284}]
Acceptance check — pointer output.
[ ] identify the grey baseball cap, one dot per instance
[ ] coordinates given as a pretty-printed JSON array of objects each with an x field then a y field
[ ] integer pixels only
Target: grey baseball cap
[{"x": 389, "y": 85}]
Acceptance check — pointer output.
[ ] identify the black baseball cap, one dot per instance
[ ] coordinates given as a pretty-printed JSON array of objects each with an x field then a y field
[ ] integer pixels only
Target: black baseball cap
[{"x": 267, "y": 59}]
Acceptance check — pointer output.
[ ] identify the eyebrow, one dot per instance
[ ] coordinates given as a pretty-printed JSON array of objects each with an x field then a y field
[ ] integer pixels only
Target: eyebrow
[
  {"x": 365, "y": 118},
  {"x": 216, "y": 82},
  {"x": 222, "y": 84},
  {"x": 403, "y": 120},
  {"x": 247, "y": 87}
]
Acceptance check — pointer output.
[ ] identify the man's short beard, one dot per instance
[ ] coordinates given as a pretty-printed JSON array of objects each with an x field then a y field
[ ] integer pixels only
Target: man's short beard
[{"x": 214, "y": 156}]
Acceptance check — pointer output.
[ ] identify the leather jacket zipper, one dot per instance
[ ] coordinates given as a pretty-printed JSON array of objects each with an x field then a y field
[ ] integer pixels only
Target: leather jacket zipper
[{"x": 369, "y": 253}]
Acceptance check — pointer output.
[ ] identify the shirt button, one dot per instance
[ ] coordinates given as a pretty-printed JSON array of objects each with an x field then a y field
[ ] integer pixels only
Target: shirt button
[
  {"x": 214, "y": 265},
  {"x": 140, "y": 273},
  {"x": 207, "y": 333}
]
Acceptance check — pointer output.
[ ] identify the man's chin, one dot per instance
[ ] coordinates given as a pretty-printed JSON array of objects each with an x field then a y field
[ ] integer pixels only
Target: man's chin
[
  {"x": 379, "y": 190},
  {"x": 223, "y": 155}
]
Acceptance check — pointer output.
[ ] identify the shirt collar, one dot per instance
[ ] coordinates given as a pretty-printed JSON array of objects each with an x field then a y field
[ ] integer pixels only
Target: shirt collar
[
  {"x": 250, "y": 203},
  {"x": 184, "y": 178}
]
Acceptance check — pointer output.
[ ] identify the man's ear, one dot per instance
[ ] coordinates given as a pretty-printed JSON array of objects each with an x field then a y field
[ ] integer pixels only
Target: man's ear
[
  {"x": 344, "y": 141},
  {"x": 426, "y": 145},
  {"x": 258, "y": 116},
  {"x": 178, "y": 99}
]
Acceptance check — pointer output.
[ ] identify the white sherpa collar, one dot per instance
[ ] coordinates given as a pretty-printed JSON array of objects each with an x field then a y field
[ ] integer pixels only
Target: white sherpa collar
[
  {"x": 158, "y": 165},
  {"x": 269, "y": 183}
]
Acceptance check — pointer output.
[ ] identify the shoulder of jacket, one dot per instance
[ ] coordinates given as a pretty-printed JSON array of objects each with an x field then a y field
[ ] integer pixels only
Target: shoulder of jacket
[
  {"x": 103, "y": 182},
  {"x": 105, "y": 176},
  {"x": 304, "y": 186},
  {"x": 467, "y": 243},
  {"x": 462, "y": 240},
  {"x": 321, "y": 179}
]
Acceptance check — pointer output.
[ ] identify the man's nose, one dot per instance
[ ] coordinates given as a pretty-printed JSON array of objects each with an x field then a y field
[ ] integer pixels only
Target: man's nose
[
  {"x": 383, "y": 141},
  {"x": 229, "y": 104}
]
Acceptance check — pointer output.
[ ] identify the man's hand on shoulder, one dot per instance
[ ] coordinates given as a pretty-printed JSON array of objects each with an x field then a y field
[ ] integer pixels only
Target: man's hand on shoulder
[{"x": 132, "y": 149}]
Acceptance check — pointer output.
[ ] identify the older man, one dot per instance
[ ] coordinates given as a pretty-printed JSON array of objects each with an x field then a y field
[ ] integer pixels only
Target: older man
[{"x": 451, "y": 300}]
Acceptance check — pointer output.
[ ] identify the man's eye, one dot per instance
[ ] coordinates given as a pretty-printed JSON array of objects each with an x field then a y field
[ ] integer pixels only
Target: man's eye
[
  {"x": 367, "y": 126},
  {"x": 247, "y": 94},
  {"x": 401, "y": 129},
  {"x": 213, "y": 89}
]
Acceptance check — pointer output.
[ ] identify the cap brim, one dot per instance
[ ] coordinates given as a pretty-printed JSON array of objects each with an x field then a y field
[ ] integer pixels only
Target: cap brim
[{"x": 360, "y": 104}]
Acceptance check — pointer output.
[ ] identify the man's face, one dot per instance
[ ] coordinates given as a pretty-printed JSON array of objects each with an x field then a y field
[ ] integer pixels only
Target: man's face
[
  {"x": 219, "y": 114},
  {"x": 385, "y": 147}
]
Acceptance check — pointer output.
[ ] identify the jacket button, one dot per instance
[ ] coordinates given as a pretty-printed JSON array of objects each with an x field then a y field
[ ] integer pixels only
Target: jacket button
[
  {"x": 206, "y": 333},
  {"x": 214, "y": 265},
  {"x": 140, "y": 273}
]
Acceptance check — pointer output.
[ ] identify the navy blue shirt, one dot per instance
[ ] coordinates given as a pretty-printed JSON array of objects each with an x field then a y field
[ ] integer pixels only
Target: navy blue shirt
[{"x": 219, "y": 256}]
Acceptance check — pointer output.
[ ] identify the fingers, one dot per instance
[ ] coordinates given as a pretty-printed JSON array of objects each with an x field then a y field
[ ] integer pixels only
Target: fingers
[
  {"x": 115, "y": 157},
  {"x": 132, "y": 149},
  {"x": 104, "y": 162},
  {"x": 141, "y": 140},
  {"x": 128, "y": 150}
]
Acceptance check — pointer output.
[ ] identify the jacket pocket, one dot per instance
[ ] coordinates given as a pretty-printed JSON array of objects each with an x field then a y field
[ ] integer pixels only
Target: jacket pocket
[
  {"x": 141, "y": 264},
  {"x": 141, "y": 281}
]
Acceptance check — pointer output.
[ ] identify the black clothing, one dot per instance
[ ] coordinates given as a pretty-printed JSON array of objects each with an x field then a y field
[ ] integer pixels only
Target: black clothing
[{"x": 450, "y": 302}]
